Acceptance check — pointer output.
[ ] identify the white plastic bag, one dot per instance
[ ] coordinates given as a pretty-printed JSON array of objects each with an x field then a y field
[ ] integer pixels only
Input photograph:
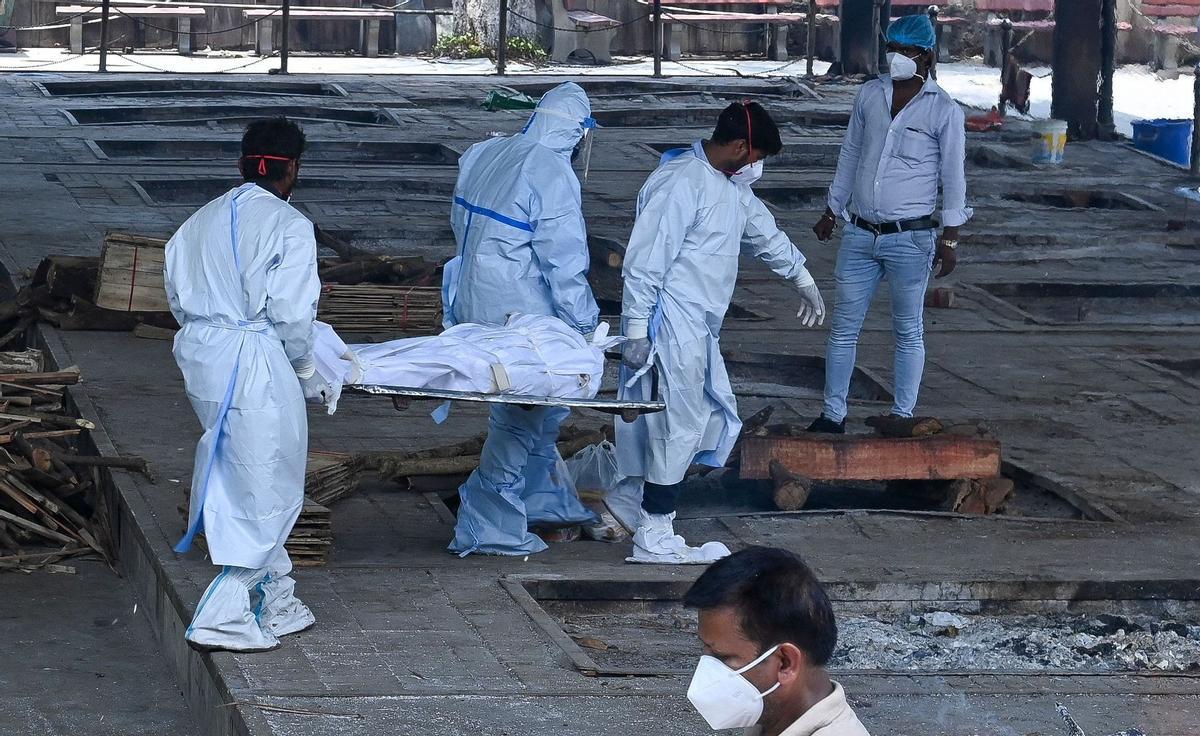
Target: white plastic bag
[{"x": 594, "y": 470}]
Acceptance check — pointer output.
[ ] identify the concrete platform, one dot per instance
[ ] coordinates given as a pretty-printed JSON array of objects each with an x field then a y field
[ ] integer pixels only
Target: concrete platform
[{"x": 411, "y": 639}]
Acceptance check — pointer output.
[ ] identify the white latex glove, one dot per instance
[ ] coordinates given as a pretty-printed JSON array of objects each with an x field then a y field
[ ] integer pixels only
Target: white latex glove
[
  {"x": 316, "y": 389},
  {"x": 812, "y": 306}
]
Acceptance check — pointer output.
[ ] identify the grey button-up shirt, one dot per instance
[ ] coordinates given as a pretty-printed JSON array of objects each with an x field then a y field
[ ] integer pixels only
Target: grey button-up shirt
[{"x": 888, "y": 170}]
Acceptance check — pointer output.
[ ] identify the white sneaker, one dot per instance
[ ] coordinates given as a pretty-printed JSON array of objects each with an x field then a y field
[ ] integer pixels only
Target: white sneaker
[{"x": 656, "y": 543}]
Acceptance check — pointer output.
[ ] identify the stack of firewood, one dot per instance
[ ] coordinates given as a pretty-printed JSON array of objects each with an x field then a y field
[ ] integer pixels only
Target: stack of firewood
[
  {"x": 48, "y": 489},
  {"x": 330, "y": 476}
]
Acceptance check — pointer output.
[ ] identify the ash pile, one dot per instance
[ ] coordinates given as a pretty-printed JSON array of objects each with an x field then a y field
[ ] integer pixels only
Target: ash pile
[{"x": 950, "y": 641}]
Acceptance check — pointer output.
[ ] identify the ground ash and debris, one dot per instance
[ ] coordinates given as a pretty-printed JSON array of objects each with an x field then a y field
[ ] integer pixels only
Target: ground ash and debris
[
  {"x": 928, "y": 642},
  {"x": 948, "y": 641}
]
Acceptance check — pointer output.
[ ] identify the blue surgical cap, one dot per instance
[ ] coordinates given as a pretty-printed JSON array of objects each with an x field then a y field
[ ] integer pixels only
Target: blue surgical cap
[{"x": 913, "y": 30}]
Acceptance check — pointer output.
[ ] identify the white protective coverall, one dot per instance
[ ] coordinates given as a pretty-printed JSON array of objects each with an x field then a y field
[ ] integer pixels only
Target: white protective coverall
[
  {"x": 680, "y": 269},
  {"x": 517, "y": 217},
  {"x": 241, "y": 278}
]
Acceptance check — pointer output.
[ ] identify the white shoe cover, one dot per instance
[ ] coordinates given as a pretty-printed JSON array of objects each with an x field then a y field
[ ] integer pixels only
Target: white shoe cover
[
  {"x": 656, "y": 543},
  {"x": 224, "y": 618},
  {"x": 625, "y": 502},
  {"x": 282, "y": 612}
]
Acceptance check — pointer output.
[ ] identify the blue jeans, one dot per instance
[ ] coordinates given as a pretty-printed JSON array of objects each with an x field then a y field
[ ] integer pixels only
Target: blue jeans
[{"x": 905, "y": 260}]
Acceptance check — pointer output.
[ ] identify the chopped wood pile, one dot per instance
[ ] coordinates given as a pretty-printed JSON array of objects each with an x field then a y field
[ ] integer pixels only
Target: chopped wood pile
[
  {"x": 123, "y": 289},
  {"x": 365, "y": 307},
  {"x": 48, "y": 489},
  {"x": 330, "y": 476},
  {"x": 311, "y": 539}
]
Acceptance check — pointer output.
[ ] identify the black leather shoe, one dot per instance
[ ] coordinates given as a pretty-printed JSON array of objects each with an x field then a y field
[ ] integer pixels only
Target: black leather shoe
[{"x": 825, "y": 425}]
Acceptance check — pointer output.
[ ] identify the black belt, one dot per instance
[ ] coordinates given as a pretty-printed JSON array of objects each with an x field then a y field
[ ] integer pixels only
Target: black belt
[{"x": 891, "y": 228}]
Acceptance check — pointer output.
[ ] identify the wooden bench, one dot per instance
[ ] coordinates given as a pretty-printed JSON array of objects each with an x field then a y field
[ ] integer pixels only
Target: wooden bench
[
  {"x": 578, "y": 29},
  {"x": 369, "y": 23},
  {"x": 1172, "y": 21},
  {"x": 775, "y": 24},
  {"x": 182, "y": 15}
]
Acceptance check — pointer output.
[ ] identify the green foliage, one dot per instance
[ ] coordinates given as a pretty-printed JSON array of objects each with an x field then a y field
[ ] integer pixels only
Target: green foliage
[
  {"x": 524, "y": 49},
  {"x": 463, "y": 46},
  {"x": 469, "y": 46}
]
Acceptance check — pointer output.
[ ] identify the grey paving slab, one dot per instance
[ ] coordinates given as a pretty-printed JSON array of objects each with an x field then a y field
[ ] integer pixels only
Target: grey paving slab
[{"x": 78, "y": 656}]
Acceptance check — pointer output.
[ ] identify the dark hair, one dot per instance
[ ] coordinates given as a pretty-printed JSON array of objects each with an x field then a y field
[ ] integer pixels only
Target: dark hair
[
  {"x": 271, "y": 137},
  {"x": 760, "y": 131},
  {"x": 777, "y": 599}
]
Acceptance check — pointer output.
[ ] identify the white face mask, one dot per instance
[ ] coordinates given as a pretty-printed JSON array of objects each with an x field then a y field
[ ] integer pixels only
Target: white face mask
[
  {"x": 748, "y": 174},
  {"x": 900, "y": 67},
  {"x": 723, "y": 697}
]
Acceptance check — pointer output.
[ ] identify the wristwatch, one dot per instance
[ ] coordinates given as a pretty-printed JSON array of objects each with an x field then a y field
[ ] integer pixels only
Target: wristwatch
[{"x": 951, "y": 244}]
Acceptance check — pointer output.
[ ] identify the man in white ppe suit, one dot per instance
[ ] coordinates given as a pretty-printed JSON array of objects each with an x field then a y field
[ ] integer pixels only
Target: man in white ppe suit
[
  {"x": 522, "y": 248},
  {"x": 241, "y": 277},
  {"x": 696, "y": 215}
]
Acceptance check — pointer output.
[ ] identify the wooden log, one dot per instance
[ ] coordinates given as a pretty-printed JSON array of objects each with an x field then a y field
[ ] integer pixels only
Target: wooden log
[
  {"x": 68, "y": 276},
  {"x": 47, "y": 419},
  {"x": 23, "y": 361},
  {"x": 826, "y": 457},
  {"x": 150, "y": 332},
  {"x": 84, "y": 315},
  {"x": 791, "y": 490},
  {"x": 37, "y": 529},
  {"x": 7, "y": 439},
  {"x": 891, "y": 426},
  {"x": 66, "y": 377},
  {"x": 7, "y": 541},
  {"x": 138, "y": 464},
  {"x": 980, "y": 496},
  {"x": 344, "y": 250}
]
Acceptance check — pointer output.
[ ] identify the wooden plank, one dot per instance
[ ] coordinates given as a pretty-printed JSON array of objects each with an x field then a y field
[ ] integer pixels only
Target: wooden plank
[
  {"x": 777, "y": 19},
  {"x": 134, "y": 11},
  {"x": 349, "y": 14},
  {"x": 939, "y": 457},
  {"x": 1028, "y": 6}
]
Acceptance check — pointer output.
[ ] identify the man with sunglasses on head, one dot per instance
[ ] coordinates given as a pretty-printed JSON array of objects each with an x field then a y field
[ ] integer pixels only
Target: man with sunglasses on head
[
  {"x": 696, "y": 215},
  {"x": 905, "y": 137}
]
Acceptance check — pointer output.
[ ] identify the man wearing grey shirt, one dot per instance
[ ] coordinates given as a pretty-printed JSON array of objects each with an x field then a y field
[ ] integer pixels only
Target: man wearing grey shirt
[{"x": 905, "y": 136}]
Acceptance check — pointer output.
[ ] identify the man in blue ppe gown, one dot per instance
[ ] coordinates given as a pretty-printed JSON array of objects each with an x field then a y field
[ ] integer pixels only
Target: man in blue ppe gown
[
  {"x": 522, "y": 249},
  {"x": 696, "y": 215},
  {"x": 241, "y": 279}
]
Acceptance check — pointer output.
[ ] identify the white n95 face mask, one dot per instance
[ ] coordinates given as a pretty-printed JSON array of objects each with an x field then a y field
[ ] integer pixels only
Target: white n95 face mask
[
  {"x": 748, "y": 174},
  {"x": 723, "y": 697},
  {"x": 900, "y": 67}
]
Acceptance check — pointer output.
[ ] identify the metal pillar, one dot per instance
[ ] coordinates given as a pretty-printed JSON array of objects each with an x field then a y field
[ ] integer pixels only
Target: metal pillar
[
  {"x": 811, "y": 44},
  {"x": 859, "y": 37},
  {"x": 937, "y": 39},
  {"x": 502, "y": 39},
  {"x": 104, "y": 36},
  {"x": 1076, "y": 67},
  {"x": 1006, "y": 38},
  {"x": 284, "y": 45},
  {"x": 882, "y": 19},
  {"x": 1108, "y": 66},
  {"x": 658, "y": 38},
  {"x": 1196, "y": 124}
]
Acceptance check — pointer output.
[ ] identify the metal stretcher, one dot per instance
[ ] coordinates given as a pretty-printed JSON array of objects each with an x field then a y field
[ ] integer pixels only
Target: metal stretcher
[{"x": 627, "y": 410}]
